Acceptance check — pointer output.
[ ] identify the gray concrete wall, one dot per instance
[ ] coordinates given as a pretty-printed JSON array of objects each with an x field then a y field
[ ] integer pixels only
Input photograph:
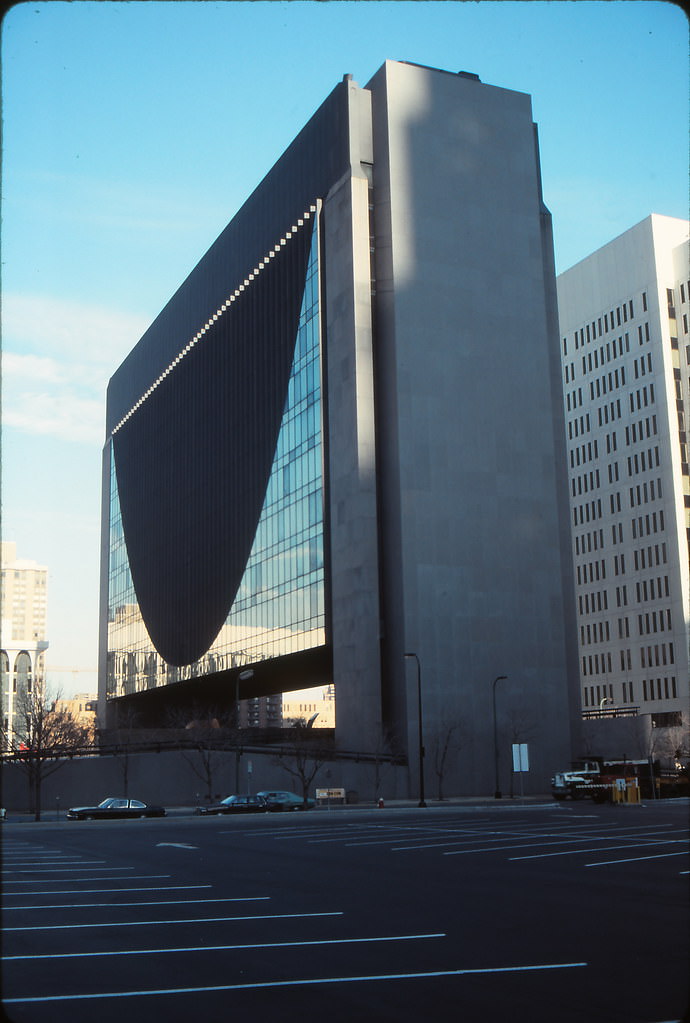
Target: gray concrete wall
[
  {"x": 170, "y": 779},
  {"x": 351, "y": 452},
  {"x": 471, "y": 468}
]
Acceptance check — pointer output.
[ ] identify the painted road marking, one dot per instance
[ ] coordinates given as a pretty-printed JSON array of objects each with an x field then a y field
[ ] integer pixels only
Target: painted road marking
[
  {"x": 177, "y": 845},
  {"x": 66, "y": 870},
  {"x": 157, "y": 902},
  {"x": 166, "y": 923},
  {"x": 297, "y": 983},
  {"x": 606, "y": 848},
  {"x": 227, "y": 948},
  {"x": 74, "y": 880},
  {"x": 636, "y": 859},
  {"x": 101, "y": 891}
]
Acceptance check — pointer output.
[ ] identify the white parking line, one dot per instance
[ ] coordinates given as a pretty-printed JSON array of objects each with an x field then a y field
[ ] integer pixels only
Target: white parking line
[
  {"x": 102, "y": 891},
  {"x": 227, "y": 948},
  {"x": 157, "y": 902},
  {"x": 79, "y": 865},
  {"x": 606, "y": 848},
  {"x": 635, "y": 859},
  {"x": 75, "y": 880},
  {"x": 67, "y": 870},
  {"x": 166, "y": 923},
  {"x": 295, "y": 983}
]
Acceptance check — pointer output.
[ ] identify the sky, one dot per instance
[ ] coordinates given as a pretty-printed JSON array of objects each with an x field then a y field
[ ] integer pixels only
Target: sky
[{"x": 132, "y": 133}]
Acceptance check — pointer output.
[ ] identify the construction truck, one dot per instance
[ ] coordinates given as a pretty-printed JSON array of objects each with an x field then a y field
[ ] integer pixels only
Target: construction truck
[{"x": 607, "y": 781}]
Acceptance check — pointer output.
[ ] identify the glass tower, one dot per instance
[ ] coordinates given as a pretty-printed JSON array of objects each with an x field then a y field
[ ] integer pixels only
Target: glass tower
[{"x": 279, "y": 605}]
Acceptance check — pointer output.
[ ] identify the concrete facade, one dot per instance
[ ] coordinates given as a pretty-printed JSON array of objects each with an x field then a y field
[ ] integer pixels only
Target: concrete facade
[
  {"x": 472, "y": 473},
  {"x": 625, "y": 352}
]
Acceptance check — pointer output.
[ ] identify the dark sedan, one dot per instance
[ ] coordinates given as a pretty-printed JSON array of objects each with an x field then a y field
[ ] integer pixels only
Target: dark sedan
[
  {"x": 114, "y": 809},
  {"x": 282, "y": 800},
  {"x": 235, "y": 804}
]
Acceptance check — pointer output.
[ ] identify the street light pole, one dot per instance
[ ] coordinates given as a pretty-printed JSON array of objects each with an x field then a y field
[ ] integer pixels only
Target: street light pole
[
  {"x": 243, "y": 676},
  {"x": 421, "y": 730},
  {"x": 497, "y": 791}
]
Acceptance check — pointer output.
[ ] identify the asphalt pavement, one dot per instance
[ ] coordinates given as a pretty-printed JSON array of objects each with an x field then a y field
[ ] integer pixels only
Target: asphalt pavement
[{"x": 534, "y": 912}]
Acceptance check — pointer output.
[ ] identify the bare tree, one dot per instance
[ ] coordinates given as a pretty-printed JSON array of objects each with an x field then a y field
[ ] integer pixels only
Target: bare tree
[
  {"x": 382, "y": 759},
  {"x": 447, "y": 742},
  {"x": 45, "y": 736},
  {"x": 304, "y": 759},
  {"x": 211, "y": 731}
]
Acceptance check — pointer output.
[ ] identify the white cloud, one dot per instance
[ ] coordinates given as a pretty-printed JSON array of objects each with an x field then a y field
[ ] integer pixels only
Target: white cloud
[
  {"x": 58, "y": 357},
  {"x": 31, "y": 367},
  {"x": 69, "y": 331},
  {"x": 61, "y": 415}
]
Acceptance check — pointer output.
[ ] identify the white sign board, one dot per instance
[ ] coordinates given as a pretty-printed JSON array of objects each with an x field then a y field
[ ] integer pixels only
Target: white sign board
[{"x": 520, "y": 757}]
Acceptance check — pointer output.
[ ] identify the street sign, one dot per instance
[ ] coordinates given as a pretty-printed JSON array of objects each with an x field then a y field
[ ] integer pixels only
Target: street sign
[{"x": 520, "y": 757}]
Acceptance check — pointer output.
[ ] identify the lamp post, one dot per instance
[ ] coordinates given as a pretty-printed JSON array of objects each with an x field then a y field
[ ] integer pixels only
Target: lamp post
[
  {"x": 497, "y": 791},
  {"x": 243, "y": 676},
  {"x": 421, "y": 731}
]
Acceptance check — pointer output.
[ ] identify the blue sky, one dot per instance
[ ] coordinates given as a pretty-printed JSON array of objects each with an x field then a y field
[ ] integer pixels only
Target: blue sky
[{"x": 134, "y": 131}]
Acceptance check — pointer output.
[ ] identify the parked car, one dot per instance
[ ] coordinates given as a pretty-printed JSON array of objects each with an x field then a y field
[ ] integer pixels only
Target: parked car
[
  {"x": 281, "y": 800},
  {"x": 113, "y": 808},
  {"x": 235, "y": 804}
]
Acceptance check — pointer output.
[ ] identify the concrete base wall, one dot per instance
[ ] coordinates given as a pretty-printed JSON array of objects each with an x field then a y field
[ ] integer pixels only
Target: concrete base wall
[{"x": 170, "y": 779}]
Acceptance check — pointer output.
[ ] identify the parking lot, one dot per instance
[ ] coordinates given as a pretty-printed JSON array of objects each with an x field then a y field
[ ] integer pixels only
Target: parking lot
[{"x": 548, "y": 913}]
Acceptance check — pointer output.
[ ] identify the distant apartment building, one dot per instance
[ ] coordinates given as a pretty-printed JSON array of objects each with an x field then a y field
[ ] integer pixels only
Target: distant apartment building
[
  {"x": 261, "y": 712},
  {"x": 24, "y": 609},
  {"x": 83, "y": 707},
  {"x": 625, "y": 350},
  {"x": 316, "y": 704}
]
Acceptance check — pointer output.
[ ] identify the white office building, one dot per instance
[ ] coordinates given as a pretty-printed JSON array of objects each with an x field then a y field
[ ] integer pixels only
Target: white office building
[
  {"x": 625, "y": 351},
  {"x": 24, "y": 610}
]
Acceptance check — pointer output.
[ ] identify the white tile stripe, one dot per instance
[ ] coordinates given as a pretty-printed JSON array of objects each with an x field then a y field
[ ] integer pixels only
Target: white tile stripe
[
  {"x": 426, "y": 975},
  {"x": 198, "y": 336},
  {"x": 226, "y": 948}
]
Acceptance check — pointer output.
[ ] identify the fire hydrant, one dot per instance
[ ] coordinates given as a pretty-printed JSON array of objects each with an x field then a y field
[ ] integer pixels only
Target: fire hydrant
[{"x": 381, "y": 803}]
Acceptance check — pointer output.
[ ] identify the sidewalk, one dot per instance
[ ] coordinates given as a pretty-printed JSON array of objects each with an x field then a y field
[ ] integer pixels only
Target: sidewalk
[{"x": 49, "y": 815}]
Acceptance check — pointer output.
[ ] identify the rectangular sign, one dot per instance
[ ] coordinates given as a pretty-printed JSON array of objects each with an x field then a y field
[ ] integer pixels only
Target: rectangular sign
[{"x": 520, "y": 757}]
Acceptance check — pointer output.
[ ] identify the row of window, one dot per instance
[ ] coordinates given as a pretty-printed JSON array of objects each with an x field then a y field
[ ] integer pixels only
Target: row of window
[
  {"x": 589, "y": 512},
  {"x": 585, "y": 543},
  {"x": 643, "y": 493},
  {"x": 644, "y": 460},
  {"x": 642, "y": 429},
  {"x": 593, "y": 571},
  {"x": 596, "y": 632},
  {"x": 610, "y": 320},
  {"x": 643, "y": 557},
  {"x": 611, "y": 381},
  {"x": 609, "y": 412},
  {"x": 645, "y": 525},
  {"x": 606, "y": 353},
  {"x": 652, "y": 689},
  {"x": 654, "y": 621},
  {"x": 642, "y": 398},
  {"x": 583, "y": 484},
  {"x": 658, "y": 655},
  {"x": 584, "y": 453},
  {"x": 578, "y": 426}
]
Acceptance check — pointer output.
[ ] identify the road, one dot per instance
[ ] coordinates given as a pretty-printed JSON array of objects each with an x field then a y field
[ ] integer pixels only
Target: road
[{"x": 548, "y": 913}]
